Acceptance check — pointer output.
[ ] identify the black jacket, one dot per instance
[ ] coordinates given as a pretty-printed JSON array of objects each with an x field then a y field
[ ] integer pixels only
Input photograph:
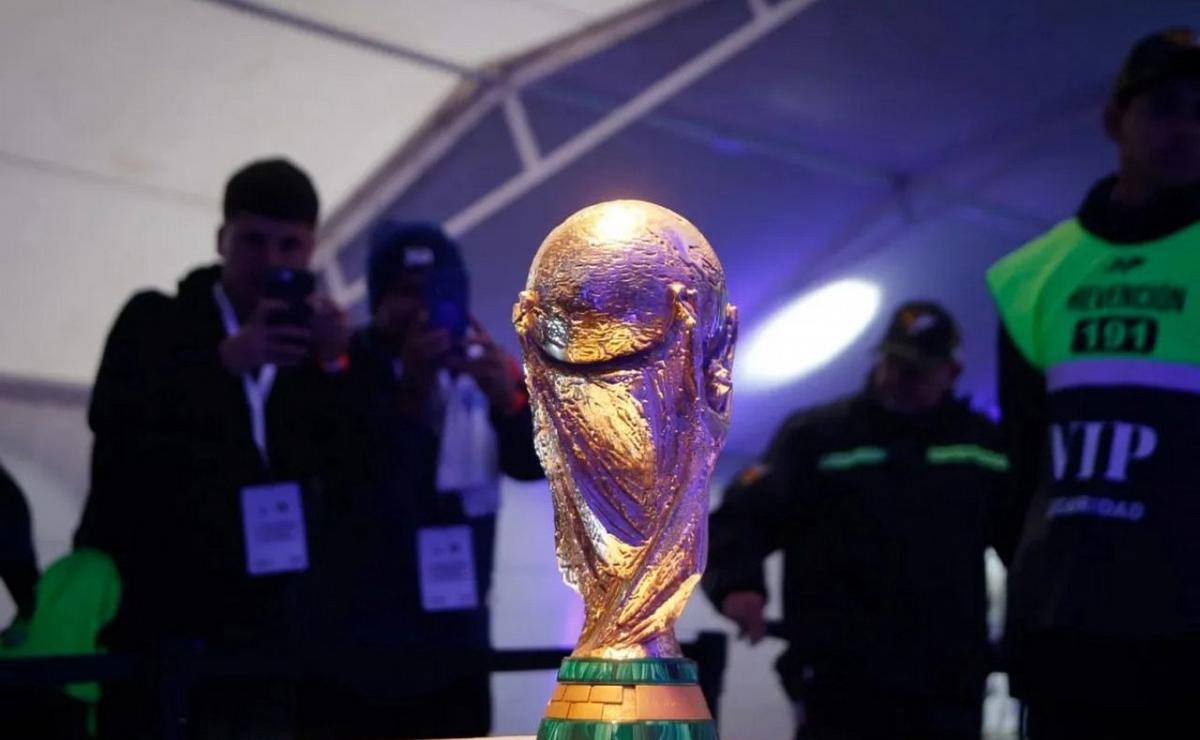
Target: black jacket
[
  {"x": 883, "y": 520},
  {"x": 375, "y": 610},
  {"x": 172, "y": 451},
  {"x": 1048, "y": 651}
]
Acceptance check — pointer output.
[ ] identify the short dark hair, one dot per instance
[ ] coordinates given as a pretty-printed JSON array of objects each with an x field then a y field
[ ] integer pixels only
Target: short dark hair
[{"x": 274, "y": 188}]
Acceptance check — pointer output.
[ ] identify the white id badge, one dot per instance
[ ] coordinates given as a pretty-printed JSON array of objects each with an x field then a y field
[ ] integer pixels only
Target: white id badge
[
  {"x": 273, "y": 520},
  {"x": 446, "y": 561}
]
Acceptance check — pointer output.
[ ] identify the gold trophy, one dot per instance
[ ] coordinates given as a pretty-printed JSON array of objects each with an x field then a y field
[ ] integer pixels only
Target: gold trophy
[{"x": 627, "y": 335}]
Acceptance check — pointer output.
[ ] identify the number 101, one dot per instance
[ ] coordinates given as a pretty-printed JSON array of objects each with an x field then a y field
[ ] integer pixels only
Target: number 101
[{"x": 1133, "y": 335}]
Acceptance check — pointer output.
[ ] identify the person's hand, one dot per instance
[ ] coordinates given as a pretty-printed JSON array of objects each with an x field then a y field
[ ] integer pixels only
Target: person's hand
[
  {"x": 259, "y": 343},
  {"x": 491, "y": 368},
  {"x": 746, "y": 608},
  {"x": 330, "y": 329},
  {"x": 393, "y": 324}
]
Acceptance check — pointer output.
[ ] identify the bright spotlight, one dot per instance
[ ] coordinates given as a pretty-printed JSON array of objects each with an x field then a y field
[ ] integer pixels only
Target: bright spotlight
[{"x": 807, "y": 333}]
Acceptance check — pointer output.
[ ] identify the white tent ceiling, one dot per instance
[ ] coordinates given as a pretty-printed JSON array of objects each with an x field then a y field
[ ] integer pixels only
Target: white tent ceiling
[
  {"x": 122, "y": 118},
  {"x": 907, "y": 144}
]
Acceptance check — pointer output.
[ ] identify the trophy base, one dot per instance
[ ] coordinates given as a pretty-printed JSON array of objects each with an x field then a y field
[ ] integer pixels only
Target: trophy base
[
  {"x": 643, "y": 699},
  {"x": 565, "y": 729}
]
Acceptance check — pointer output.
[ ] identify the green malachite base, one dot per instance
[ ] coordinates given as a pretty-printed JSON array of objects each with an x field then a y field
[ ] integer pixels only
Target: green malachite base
[
  {"x": 642, "y": 670},
  {"x": 569, "y": 729},
  {"x": 643, "y": 699}
]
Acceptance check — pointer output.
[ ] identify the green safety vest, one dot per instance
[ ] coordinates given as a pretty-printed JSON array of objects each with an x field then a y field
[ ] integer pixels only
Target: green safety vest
[
  {"x": 1083, "y": 310},
  {"x": 1112, "y": 541}
]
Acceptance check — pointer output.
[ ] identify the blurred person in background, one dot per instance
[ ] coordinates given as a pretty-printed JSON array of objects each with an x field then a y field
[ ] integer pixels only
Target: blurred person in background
[
  {"x": 445, "y": 414},
  {"x": 1099, "y": 385},
  {"x": 219, "y": 456},
  {"x": 883, "y": 504},
  {"x": 18, "y": 563}
]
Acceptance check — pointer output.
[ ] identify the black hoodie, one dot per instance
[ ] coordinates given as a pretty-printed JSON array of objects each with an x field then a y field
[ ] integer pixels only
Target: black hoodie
[{"x": 172, "y": 451}]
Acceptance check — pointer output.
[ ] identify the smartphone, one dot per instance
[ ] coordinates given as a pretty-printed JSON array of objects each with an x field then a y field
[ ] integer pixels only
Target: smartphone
[
  {"x": 446, "y": 301},
  {"x": 451, "y": 316},
  {"x": 292, "y": 287}
]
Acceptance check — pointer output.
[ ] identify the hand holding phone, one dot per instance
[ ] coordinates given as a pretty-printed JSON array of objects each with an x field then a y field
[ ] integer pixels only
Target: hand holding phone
[
  {"x": 259, "y": 342},
  {"x": 446, "y": 303},
  {"x": 292, "y": 288}
]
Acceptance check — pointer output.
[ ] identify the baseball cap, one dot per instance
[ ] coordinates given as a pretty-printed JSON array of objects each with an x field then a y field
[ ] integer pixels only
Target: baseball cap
[
  {"x": 1163, "y": 55},
  {"x": 922, "y": 332},
  {"x": 398, "y": 248}
]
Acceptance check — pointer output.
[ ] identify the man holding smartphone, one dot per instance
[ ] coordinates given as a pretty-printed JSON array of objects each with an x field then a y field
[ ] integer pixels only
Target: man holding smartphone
[
  {"x": 220, "y": 451},
  {"x": 446, "y": 415}
]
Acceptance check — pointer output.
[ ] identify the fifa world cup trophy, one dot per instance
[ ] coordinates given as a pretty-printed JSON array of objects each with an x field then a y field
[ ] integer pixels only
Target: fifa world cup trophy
[{"x": 627, "y": 335}]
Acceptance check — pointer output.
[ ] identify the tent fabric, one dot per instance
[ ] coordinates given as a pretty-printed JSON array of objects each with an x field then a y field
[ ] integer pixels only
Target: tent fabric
[
  {"x": 909, "y": 145},
  {"x": 904, "y": 144},
  {"x": 123, "y": 118}
]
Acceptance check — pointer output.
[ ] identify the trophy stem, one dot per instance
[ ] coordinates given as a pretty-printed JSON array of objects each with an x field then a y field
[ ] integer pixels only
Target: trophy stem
[{"x": 642, "y": 699}]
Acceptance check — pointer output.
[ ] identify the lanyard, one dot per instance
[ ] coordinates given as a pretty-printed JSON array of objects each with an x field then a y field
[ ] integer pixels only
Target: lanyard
[{"x": 257, "y": 388}]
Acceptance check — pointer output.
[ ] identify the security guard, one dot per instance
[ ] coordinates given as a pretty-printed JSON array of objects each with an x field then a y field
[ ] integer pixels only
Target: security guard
[
  {"x": 883, "y": 505},
  {"x": 1100, "y": 392}
]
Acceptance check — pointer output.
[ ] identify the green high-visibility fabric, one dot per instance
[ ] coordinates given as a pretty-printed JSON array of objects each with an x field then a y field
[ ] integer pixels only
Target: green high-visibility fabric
[
  {"x": 844, "y": 460},
  {"x": 1069, "y": 296},
  {"x": 974, "y": 454},
  {"x": 76, "y": 597}
]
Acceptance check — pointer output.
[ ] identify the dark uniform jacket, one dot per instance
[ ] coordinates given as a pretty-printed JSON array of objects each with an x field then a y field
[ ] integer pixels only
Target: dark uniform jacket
[{"x": 883, "y": 520}]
